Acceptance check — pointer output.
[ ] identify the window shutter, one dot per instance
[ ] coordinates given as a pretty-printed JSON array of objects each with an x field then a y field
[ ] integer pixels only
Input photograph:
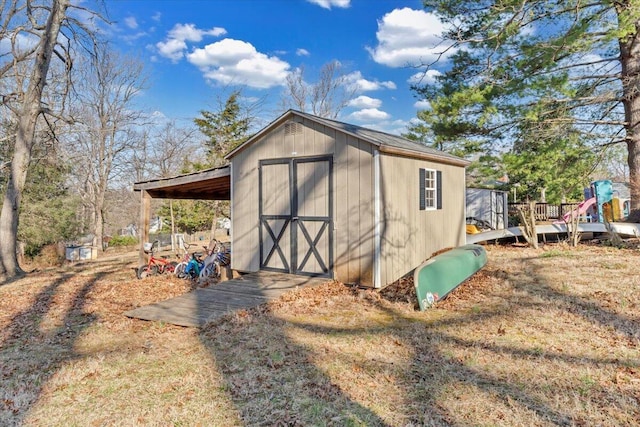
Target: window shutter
[
  {"x": 423, "y": 203},
  {"x": 439, "y": 189}
]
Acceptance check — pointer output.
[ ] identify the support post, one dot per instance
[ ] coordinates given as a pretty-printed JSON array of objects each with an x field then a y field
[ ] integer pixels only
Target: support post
[{"x": 143, "y": 231}]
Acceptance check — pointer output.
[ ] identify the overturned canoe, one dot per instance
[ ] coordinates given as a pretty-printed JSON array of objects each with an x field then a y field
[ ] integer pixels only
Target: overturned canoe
[{"x": 438, "y": 276}]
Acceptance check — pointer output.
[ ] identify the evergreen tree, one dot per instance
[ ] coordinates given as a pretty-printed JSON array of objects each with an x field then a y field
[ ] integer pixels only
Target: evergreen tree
[
  {"x": 554, "y": 169},
  {"x": 224, "y": 129},
  {"x": 48, "y": 212},
  {"x": 547, "y": 66},
  {"x": 48, "y": 209}
]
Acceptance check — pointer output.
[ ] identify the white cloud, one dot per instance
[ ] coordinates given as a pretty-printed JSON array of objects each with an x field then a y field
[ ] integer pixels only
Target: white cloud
[
  {"x": 395, "y": 127},
  {"x": 175, "y": 44},
  {"x": 408, "y": 37},
  {"x": 302, "y": 52},
  {"x": 424, "y": 77},
  {"x": 172, "y": 49},
  {"x": 369, "y": 114},
  {"x": 159, "y": 115},
  {"x": 251, "y": 99},
  {"x": 365, "y": 85},
  {"x": 238, "y": 62},
  {"x": 328, "y": 4},
  {"x": 133, "y": 37},
  {"x": 191, "y": 33},
  {"x": 131, "y": 22},
  {"x": 156, "y": 16},
  {"x": 365, "y": 102},
  {"x": 422, "y": 105},
  {"x": 23, "y": 41}
]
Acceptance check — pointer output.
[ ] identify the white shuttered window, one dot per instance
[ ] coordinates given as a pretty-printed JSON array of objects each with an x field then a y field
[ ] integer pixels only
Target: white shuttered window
[{"x": 430, "y": 189}]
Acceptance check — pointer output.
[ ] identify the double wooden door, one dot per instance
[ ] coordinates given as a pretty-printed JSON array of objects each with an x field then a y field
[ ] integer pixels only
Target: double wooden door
[{"x": 295, "y": 209}]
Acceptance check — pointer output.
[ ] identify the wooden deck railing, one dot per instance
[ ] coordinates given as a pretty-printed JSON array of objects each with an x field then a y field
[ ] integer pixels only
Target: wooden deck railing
[{"x": 544, "y": 211}]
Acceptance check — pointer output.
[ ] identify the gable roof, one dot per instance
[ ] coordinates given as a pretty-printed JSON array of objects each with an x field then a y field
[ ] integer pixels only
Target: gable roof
[{"x": 385, "y": 142}]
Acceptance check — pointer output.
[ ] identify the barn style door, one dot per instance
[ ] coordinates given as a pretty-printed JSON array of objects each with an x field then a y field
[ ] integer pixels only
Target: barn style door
[{"x": 295, "y": 216}]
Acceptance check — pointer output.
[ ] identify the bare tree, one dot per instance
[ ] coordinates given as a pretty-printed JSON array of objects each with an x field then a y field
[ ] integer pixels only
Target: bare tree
[
  {"x": 297, "y": 90},
  {"x": 170, "y": 148},
  {"x": 33, "y": 34},
  {"x": 108, "y": 128},
  {"x": 325, "y": 98},
  {"x": 164, "y": 150}
]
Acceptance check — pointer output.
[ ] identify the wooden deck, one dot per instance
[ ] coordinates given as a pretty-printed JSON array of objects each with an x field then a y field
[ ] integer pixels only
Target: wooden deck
[
  {"x": 624, "y": 229},
  {"x": 203, "y": 305}
]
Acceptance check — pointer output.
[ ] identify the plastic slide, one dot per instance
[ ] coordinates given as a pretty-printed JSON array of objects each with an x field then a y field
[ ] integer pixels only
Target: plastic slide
[{"x": 582, "y": 208}]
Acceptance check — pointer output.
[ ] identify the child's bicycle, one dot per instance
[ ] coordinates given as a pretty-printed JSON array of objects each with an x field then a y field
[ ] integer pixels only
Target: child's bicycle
[
  {"x": 155, "y": 265},
  {"x": 219, "y": 257},
  {"x": 190, "y": 266}
]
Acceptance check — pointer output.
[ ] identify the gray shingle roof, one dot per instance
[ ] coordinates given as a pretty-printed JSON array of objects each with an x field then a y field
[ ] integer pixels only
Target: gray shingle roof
[{"x": 380, "y": 139}]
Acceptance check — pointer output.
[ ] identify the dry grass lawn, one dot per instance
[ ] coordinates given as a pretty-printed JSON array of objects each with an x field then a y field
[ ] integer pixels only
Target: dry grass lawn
[{"x": 538, "y": 338}]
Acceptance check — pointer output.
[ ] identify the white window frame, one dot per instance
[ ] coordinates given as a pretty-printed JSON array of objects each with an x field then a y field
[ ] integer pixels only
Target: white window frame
[{"x": 430, "y": 189}]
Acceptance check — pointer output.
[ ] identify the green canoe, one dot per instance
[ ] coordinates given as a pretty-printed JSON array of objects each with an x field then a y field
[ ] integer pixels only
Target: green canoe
[{"x": 438, "y": 276}]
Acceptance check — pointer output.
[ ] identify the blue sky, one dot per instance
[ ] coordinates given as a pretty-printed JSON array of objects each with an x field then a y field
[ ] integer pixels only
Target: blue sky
[{"x": 196, "y": 52}]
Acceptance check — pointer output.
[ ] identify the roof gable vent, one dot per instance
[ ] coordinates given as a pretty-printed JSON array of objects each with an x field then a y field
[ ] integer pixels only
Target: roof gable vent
[{"x": 293, "y": 128}]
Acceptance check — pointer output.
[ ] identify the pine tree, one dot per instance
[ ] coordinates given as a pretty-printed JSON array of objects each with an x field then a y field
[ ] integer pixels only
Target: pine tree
[
  {"x": 522, "y": 70},
  {"x": 224, "y": 129}
]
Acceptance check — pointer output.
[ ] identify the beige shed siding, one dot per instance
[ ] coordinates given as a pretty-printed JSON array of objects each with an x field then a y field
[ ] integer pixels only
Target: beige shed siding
[
  {"x": 409, "y": 235},
  {"x": 244, "y": 212},
  {"x": 352, "y": 197},
  {"x": 366, "y": 227},
  {"x": 354, "y": 211}
]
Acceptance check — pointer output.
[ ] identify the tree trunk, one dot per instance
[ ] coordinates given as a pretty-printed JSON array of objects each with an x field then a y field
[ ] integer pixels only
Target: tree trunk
[
  {"x": 25, "y": 135},
  {"x": 573, "y": 233},
  {"x": 98, "y": 232},
  {"x": 630, "y": 67},
  {"x": 13, "y": 195},
  {"x": 633, "y": 147},
  {"x": 98, "y": 214},
  {"x": 528, "y": 219}
]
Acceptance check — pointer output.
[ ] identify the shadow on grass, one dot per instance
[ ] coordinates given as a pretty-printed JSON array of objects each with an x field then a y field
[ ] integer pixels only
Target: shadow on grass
[
  {"x": 433, "y": 371},
  {"x": 587, "y": 308},
  {"x": 276, "y": 380},
  {"x": 31, "y": 352},
  {"x": 273, "y": 380}
]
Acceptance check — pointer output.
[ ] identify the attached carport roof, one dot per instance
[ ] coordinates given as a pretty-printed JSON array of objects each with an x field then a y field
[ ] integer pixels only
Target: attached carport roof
[{"x": 210, "y": 184}]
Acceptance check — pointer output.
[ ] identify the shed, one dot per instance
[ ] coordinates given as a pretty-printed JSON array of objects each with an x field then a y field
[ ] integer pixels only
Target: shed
[
  {"x": 320, "y": 197},
  {"x": 488, "y": 205}
]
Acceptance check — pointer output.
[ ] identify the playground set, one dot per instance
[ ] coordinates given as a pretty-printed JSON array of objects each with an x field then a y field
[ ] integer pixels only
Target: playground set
[
  {"x": 604, "y": 210},
  {"x": 602, "y": 204}
]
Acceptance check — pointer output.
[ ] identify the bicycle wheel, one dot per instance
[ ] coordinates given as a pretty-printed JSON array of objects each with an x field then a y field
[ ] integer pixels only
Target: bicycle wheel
[
  {"x": 179, "y": 270},
  {"x": 209, "y": 271},
  {"x": 145, "y": 270}
]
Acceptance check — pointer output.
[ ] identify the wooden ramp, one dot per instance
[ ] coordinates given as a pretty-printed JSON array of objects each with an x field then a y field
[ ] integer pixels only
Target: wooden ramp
[{"x": 203, "y": 305}]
